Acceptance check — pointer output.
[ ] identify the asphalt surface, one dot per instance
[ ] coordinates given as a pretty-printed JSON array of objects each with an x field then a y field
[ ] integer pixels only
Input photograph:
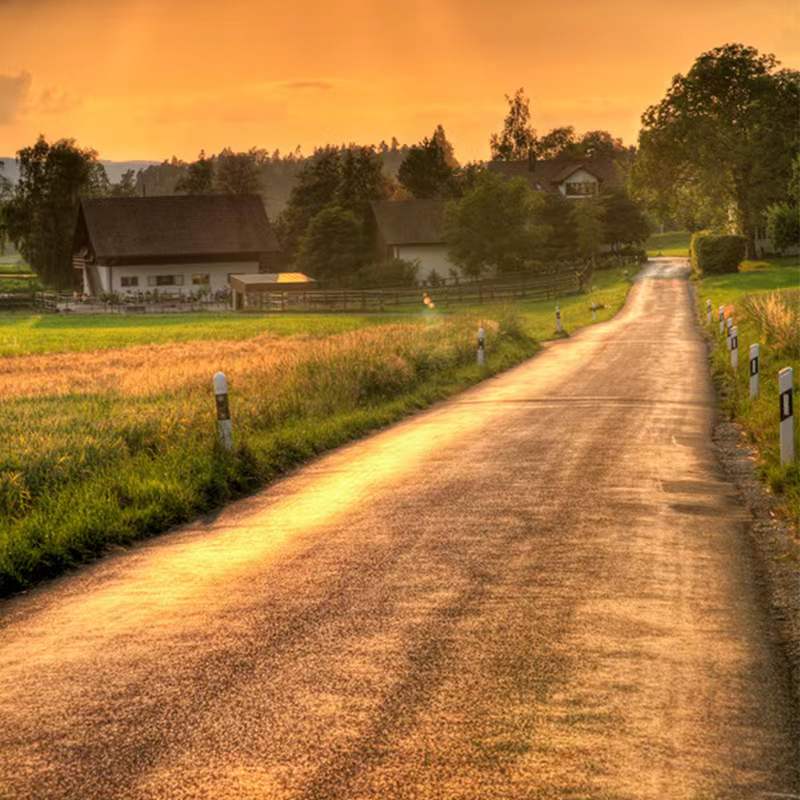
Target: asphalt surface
[{"x": 539, "y": 589}]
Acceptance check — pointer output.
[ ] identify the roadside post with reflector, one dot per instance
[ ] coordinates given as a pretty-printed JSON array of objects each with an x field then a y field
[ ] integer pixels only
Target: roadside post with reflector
[
  {"x": 481, "y": 346},
  {"x": 734, "y": 344},
  {"x": 722, "y": 319},
  {"x": 754, "y": 352},
  {"x": 559, "y": 328},
  {"x": 224, "y": 424},
  {"x": 785, "y": 382}
]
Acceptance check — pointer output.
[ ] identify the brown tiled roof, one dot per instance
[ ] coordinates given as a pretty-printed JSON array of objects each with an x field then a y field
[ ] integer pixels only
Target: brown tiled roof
[
  {"x": 178, "y": 225},
  {"x": 410, "y": 221},
  {"x": 547, "y": 174}
]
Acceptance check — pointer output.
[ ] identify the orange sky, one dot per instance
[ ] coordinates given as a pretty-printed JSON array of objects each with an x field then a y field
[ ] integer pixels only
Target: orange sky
[{"x": 152, "y": 78}]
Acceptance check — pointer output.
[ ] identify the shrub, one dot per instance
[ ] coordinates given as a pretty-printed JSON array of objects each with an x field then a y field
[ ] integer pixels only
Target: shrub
[
  {"x": 714, "y": 253},
  {"x": 388, "y": 274},
  {"x": 783, "y": 226}
]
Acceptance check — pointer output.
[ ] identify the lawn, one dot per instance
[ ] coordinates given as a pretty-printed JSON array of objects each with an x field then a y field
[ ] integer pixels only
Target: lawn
[
  {"x": 108, "y": 430},
  {"x": 672, "y": 243},
  {"x": 775, "y": 326}
]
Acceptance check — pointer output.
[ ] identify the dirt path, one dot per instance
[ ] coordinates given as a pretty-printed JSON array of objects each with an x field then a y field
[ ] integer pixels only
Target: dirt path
[{"x": 540, "y": 589}]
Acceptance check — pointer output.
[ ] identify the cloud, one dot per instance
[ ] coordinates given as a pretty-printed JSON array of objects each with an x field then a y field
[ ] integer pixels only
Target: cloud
[
  {"x": 55, "y": 101},
  {"x": 319, "y": 85},
  {"x": 13, "y": 94}
]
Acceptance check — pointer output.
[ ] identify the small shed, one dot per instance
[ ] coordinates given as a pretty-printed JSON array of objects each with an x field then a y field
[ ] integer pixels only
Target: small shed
[{"x": 245, "y": 287}]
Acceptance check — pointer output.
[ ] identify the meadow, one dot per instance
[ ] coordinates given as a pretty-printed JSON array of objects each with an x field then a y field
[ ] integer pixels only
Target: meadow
[
  {"x": 764, "y": 299},
  {"x": 107, "y": 431},
  {"x": 671, "y": 243}
]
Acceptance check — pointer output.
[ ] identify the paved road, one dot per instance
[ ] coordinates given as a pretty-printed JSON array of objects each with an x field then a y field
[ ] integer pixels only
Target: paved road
[{"x": 541, "y": 589}]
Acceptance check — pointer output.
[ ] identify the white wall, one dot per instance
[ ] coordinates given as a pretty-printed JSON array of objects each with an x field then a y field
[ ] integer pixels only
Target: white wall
[
  {"x": 430, "y": 256},
  {"x": 111, "y": 277},
  {"x": 581, "y": 176}
]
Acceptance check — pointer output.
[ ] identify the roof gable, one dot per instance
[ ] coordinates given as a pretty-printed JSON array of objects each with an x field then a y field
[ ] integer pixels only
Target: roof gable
[
  {"x": 548, "y": 174},
  {"x": 410, "y": 221},
  {"x": 177, "y": 225}
]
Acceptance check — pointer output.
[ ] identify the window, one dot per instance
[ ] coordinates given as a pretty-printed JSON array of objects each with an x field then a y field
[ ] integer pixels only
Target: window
[
  {"x": 581, "y": 188},
  {"x": 199, "y": 279},
  {"x": 165, "y": 280},
  {"x": 126, "y": 281}
]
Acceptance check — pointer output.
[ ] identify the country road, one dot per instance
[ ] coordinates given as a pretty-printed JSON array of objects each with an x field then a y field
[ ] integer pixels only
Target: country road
[{"x": 540, "y": 589}]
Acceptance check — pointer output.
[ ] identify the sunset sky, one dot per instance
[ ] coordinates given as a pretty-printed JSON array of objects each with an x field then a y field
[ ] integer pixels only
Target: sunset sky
[{"x": 152, "y": 78}]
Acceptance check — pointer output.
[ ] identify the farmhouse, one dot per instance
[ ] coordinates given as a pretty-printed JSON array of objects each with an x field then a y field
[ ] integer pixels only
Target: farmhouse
[
  {"x": 573, "y": 178},
  {"x": 414, "y": 231},
  {"x": 181, "y": 244}
]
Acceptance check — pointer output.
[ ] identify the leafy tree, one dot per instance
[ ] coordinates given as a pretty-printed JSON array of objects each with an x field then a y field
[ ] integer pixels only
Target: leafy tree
[
  {"x": 332, "y": 248},
  {"x": 783, "y": 225},
  {"x": 428, "y": 170},
  {"x": 467, "y": 176},
  {"x": 587, "y": 215},
  {"x": 40, "y": 217},
  {"x": 556, "y": 214},
  {"x": 728, "y": 130},
  {"x": 126, "y": 186},
  {"x": 494, "y": 227},
  {"x": 6, "y": 192},
  {"x": 199, "y": 177},
  {"x": 623, "y": 220},
  {"x": 362, "y": 181},
  {"x": 237, "y": 173},
  {"x": 517, "y": 140},
  {"x": 556, "y": 142}
]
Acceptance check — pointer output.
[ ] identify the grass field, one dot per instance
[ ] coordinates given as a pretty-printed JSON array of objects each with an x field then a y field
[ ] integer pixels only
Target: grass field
[
  {"x": 672, "y": 243},
  {"x": 764, "y": 299},
  {"x": 108, "y": 431}
]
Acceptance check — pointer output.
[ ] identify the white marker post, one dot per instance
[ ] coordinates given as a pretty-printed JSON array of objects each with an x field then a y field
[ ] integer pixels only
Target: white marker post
[
  {"x": 559, "y": 328},
  {"x": 722, "y": 319},
  {"x": 224, "y": 424},
  {"x": 481, "y": 346},
  {"x": 708, "y": 311},
  {"x": 754, "y": 348},
  {"x": 734, "y": 343},
  {"x": 787, "y": 415}
]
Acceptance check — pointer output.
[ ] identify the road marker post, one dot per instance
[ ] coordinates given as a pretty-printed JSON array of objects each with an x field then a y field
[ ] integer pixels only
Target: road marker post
[
  {"x": 224, "y": 423},
  {"x": 734, "y": 345},
  {"x": 481, "y": 346},
  {"x": 559, "y": 328},
  {"x": 785, "y": 390},
  {"x": 754, "y": 353},
  {"x": 722, "y": 319},
  {"x": 708, "y": 311}
]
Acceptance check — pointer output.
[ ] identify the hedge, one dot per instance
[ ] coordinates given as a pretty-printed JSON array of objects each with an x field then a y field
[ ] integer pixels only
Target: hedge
[{"x": 714, "y": 253}]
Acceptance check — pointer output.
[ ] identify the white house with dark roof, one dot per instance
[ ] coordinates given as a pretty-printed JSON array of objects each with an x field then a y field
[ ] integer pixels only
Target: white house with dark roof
[
  {"x": 180, "y": 244},
  {"x": 414, "y": 231},
  {"x": 573, "y": 178}
]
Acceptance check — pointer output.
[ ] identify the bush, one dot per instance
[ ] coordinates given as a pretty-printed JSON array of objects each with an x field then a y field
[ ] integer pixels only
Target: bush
[
  {"x": 783, "y": 226},
  {"x": 714, "y": 253},
  {"x": 388, "y": 274}
]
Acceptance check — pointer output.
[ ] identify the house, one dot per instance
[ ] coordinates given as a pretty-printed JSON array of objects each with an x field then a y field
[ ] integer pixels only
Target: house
[
  {"x": 180, "y": 244},
  {"x": 247, "y": 287},
  {"x": 573, "y": 178},
  {"x": 414, "y": 231}
]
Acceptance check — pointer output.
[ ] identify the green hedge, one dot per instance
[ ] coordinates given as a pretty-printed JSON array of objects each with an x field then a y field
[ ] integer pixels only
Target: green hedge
[{"x": 714, "y": 253}]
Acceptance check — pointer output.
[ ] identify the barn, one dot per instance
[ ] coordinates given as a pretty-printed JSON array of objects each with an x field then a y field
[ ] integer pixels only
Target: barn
[{"x": 175, "y": 245}]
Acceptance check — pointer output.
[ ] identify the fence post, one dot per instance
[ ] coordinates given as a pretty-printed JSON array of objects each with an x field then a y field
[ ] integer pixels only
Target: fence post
[
  {"x": 722, "y": 319},
  {"x": 754, "y": 348},
  {"x": 734, "y": 345},
  {"x": 224, "y": 424},
  {"x": 481, "y": 346},
  {"x": 785, "y": 382}
]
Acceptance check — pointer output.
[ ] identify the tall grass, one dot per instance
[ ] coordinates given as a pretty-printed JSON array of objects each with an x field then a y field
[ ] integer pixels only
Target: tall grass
[{"x": 101, "y": 448}]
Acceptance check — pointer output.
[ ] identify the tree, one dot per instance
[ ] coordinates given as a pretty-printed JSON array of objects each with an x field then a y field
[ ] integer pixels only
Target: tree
[
  {"x": 623, "y": 220},
  {"x": 427, "y": 171},
  {"x": 6, "y": 192},
  {"x": 126, "y": 186},
  {"x": 199, "y": 177},
  {"x": 40, "y": 217},
  {"x": 237, "y": 173},
  {"x": 556, "y": 214},
  {"x": 362, "y": 180},
  {"x": 517, "y": 140},
  {"x": 589, "y": 229},
  {"x": 783, "y": 225},
  {"x": 332, "y": 248},
  {"x": 494, "y": 226},
  {"x": 556, "y": 142},
  {"x": 728, "y": 129}
]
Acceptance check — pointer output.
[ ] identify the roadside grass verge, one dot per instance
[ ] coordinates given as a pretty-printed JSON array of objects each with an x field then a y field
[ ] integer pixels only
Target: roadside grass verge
[
  {"x": 103, "y": 447},
  {"x": 671, "y": 243},
  {"x": 764, "y": 299}
]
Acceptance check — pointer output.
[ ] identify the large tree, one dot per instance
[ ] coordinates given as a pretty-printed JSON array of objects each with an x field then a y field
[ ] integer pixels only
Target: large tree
[
  {"x": 332, "y": 248},
  {"x": 40, "y": 217},
  {"x": 725, "y": 133},
  {"x": 199, "y": 177},
  {"x": 429, "y": 169},
  {"x": 238, "y": 173},
  {"x": 623, "y": 220},
  {"x": 517, "y": 140},
  {"x": 495, "y": 226},
  {"x": 587, "y": 215}
]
